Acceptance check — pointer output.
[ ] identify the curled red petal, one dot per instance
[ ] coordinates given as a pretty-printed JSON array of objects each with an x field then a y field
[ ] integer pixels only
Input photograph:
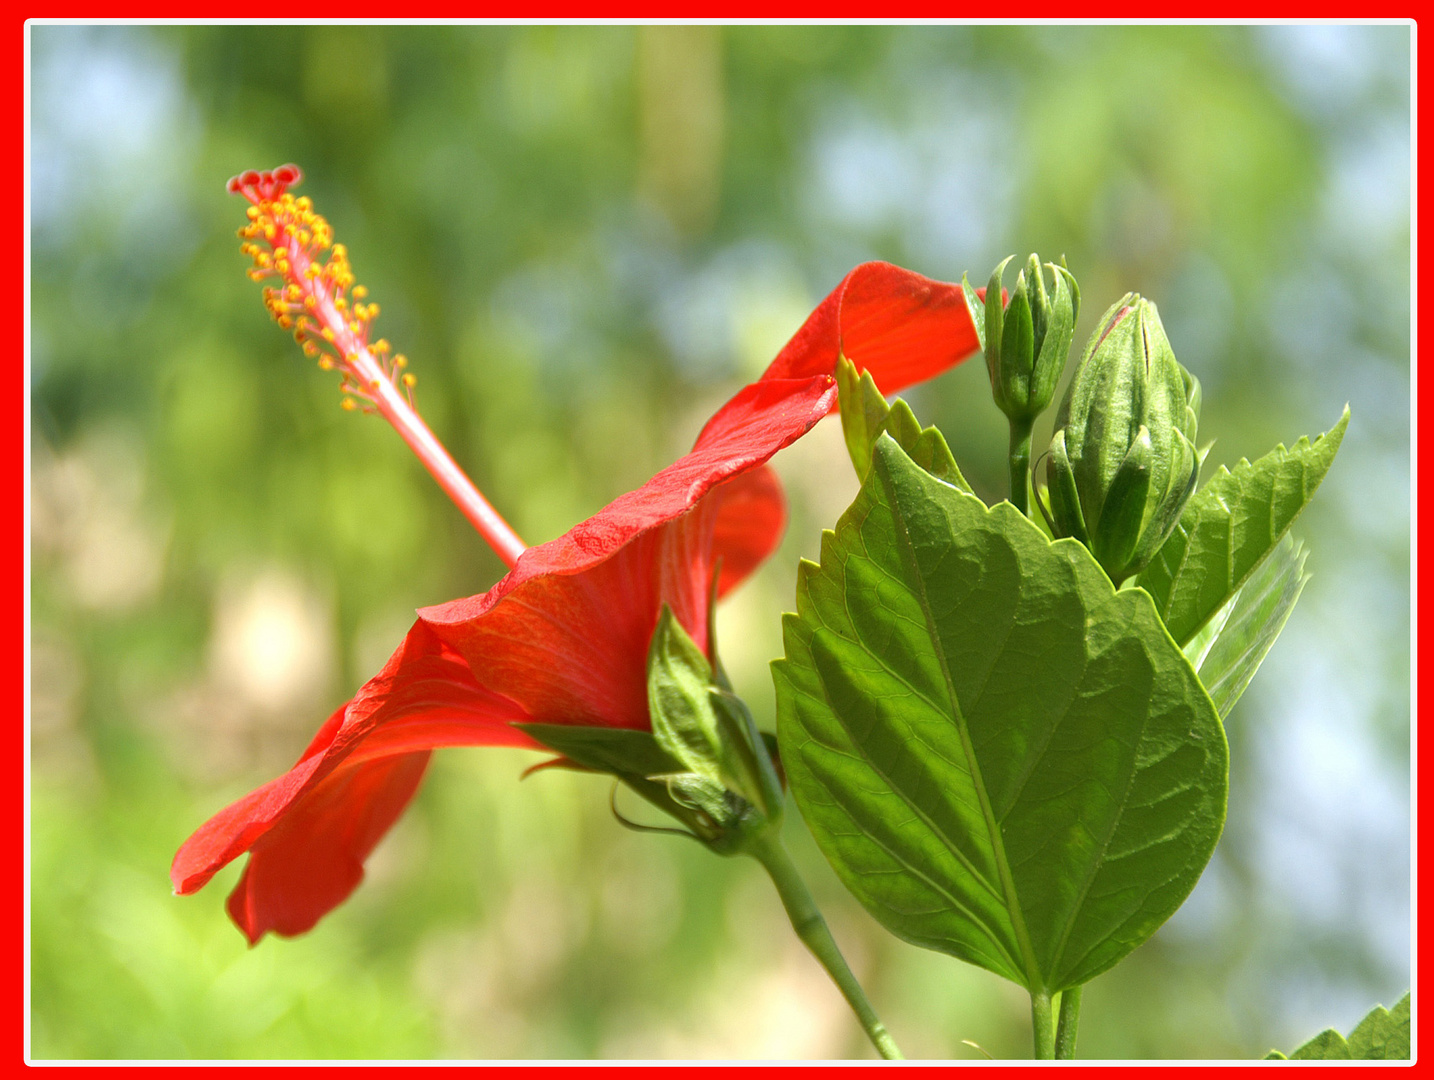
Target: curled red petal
[
  {"x": 563, "y": 637},
  {"x": 750, "y": 520},
  {"x": 895, "y": 323},
  {"x": 565, "y": 634},
  {"x": 313, "y": 859},
  {"x": 309, "y": 830}
]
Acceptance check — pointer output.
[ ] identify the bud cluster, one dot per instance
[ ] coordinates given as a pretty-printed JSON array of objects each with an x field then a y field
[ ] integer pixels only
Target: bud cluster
[{"x": 1122, "y": 462}]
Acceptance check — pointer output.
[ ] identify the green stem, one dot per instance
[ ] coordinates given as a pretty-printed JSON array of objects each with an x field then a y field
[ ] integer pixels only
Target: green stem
[
  {"x": 1020, "y": 463},
  {"x": 1070, "y": 1020},
  {"x": 807, "y": 921},
  {"x": 1041, "y": 1028}
]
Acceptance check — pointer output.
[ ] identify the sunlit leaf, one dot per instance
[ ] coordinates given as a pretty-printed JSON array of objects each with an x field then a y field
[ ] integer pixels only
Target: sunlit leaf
[
  {"x": 1229, "y": 526},
  {"x": 1004, "y": 758},
  {"x": 1383, "y": 1035},
  {"x": 865, "y": 415},
  {"x": 1229, "y": 649}
]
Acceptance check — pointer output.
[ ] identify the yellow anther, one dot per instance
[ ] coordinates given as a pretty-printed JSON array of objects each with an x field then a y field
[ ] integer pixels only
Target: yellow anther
[
  {"x": 252, "y": 211},
  {"x": 373, "y": 311},
  {"x": 325, "y": 364},
  {"x": 340, "y": 303},
  {"x": 327, "y": 335},
  {"x": 410, "y": 380},
  {"x": 310, "y": 349},
  {"x": 349, "y": 403},
  {"x": 285, "y": 322},
  {"x": 400, "y": 361},
  {"x": 381, "y": 345},
  {"x": 360, "y": 292}
]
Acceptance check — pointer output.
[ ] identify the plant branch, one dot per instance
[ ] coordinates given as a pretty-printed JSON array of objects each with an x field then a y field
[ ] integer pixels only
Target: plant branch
[
  {"x": 807, "y": 921},
  {"x": 1069, "y": 1021}
]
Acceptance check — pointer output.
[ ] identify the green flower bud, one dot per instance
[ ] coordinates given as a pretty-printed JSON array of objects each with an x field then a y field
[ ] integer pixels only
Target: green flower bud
[
  {"x": 1027, "y": 343},
  {"x": 1123, "y": 462}
]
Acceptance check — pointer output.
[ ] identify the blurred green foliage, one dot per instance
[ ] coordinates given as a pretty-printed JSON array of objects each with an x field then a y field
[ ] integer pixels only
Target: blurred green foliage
[{"x": 586, "y": 238}]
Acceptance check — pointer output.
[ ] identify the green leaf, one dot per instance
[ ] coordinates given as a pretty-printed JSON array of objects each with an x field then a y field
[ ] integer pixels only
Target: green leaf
[
  {"x": 621, "y": 751},
  {"x": 1383, "y": 1035},
  {"x": 1229, "y": 649},
  {"x": 1004, "y": 758},
  {"x": 865, "y": 415},
  {"x": 1229, "y": 526},
  {"x": 1328, "y": 1045}
]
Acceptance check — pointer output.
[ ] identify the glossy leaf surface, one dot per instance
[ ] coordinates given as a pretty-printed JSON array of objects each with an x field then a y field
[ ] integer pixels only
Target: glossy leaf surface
[{"x": 1004, "y": 758}]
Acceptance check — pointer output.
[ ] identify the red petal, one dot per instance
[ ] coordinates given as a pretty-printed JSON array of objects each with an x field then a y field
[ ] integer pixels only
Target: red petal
[
  {"x": 566, "y": 633},
  {"x": 749, "y": 525},
  {"x": 309, "y": 863},
  {"x": 898, "y": 325},
  {"x": 563, "y": 638},
  {"x": 310, "y": 830}
]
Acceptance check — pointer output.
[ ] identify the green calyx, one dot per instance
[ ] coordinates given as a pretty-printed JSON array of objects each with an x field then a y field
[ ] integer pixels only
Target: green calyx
[
  {"x": 704, "y": 762},
  {"x": 726, "y": 770},
  {"x": 1026, "y": 342},
  {"x": 1123, "y": 461}
]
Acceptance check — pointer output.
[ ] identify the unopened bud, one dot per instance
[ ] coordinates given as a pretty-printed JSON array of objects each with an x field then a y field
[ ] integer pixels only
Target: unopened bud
[
  {"x": 1123, "y": 462},
  {"x": 1027, "y": 343}
]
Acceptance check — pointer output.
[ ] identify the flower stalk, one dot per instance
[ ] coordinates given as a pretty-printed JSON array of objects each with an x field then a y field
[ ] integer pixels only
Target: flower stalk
[
  {"x": 807, "y": 921},
  {"x": 1042, "y": 1026},
  {"x": 1069, "y": 1020},
  {"x": 1026, "y": 339},
  {"x": 326, "y": 312}
]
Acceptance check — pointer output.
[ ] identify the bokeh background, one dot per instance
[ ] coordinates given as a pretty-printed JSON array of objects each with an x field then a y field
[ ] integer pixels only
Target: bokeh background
[{"x": 586, "y": 238}]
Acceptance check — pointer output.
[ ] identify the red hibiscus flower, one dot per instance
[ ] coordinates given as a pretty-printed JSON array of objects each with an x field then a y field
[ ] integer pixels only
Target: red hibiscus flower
[{"x": 563, "y": 638}]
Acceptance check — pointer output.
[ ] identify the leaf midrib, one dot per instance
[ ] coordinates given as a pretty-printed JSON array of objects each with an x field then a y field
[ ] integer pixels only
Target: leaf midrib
[
  {"x": 1034, "y": 980},
  {"x": 916, "y": 871},
  {"x": 917, "y": 812}
]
